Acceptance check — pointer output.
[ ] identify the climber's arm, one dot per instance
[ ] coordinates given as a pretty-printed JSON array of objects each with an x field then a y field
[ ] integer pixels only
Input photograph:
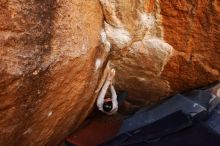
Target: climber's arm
[
  {"x": 114, "y": 100},
  {"x": 101, "y": 95},
  {"x": 114, "y": 95}
]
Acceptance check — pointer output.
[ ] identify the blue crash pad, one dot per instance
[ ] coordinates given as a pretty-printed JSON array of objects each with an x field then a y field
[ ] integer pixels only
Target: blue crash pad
[
  {"x": 214, "y": 120},
  {"x": 146, "y": 116}
]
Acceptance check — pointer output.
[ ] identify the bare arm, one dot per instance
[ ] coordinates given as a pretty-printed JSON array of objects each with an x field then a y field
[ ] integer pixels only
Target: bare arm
[
  {"x": 114, "y": 95},
  {"x": 114, "y": 100},
  {"x": 101, "y": 95}
]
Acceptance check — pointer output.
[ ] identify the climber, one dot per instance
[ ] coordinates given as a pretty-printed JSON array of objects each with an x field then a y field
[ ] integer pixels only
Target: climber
[{"x": 108, "y": 105}]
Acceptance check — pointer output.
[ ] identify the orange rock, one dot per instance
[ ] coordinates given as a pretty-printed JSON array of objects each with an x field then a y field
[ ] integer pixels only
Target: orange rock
[
  {"x": 191, "y": 27},
  {"x": 48, "y": 68},
  {"x": 149, "y": 6},
  {"x": 171, "y": 46},
  {"x": 53, "y": 58}
]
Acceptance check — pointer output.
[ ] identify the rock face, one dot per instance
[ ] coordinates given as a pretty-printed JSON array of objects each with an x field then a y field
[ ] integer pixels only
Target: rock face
[
  {"x": 48, "y": 68},
  {"x": 53, "y": 57},
  {"x": 192, "y": 28},
  {"x": 162, "y": 46},
  {"x": 138, "y": 51}
]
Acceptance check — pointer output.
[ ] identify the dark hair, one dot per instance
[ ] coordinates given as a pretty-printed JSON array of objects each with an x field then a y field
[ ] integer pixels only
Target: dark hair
[{"x": 107, "y": 106}]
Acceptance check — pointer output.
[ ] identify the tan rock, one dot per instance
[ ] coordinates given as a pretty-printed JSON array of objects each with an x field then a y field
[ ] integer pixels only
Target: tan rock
[
  {"x": 173, "y": 46},
  {"x": 139, "y": 70}
]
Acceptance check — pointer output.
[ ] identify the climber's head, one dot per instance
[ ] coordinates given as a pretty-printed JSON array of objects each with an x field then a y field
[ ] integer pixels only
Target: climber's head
[{"x": 107, "y": 106}]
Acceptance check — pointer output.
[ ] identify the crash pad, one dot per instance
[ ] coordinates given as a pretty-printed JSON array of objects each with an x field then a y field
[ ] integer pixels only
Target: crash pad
[{"x": 98, "y": 130}]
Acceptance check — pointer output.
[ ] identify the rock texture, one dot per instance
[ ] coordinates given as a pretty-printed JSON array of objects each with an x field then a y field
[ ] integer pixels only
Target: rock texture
[
  {"x": 48, "y": 68},
  {"x": 140, "y": 53},
  {"x": 54, "y": 53},
  {"x": 192, "y": 28},
  {"x": 162, "y": 46}
]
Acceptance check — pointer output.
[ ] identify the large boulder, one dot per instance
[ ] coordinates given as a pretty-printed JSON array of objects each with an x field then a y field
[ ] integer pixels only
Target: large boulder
[
  {"x": 50, "y": 65},
  {"x": 54, "y": 54},
  {"x": 161, "y": 47},
  {"x": 192, "y": 28}
]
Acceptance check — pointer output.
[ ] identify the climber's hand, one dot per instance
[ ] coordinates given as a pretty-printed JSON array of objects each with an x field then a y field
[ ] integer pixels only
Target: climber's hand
[{"x": 111, "y": 74}]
